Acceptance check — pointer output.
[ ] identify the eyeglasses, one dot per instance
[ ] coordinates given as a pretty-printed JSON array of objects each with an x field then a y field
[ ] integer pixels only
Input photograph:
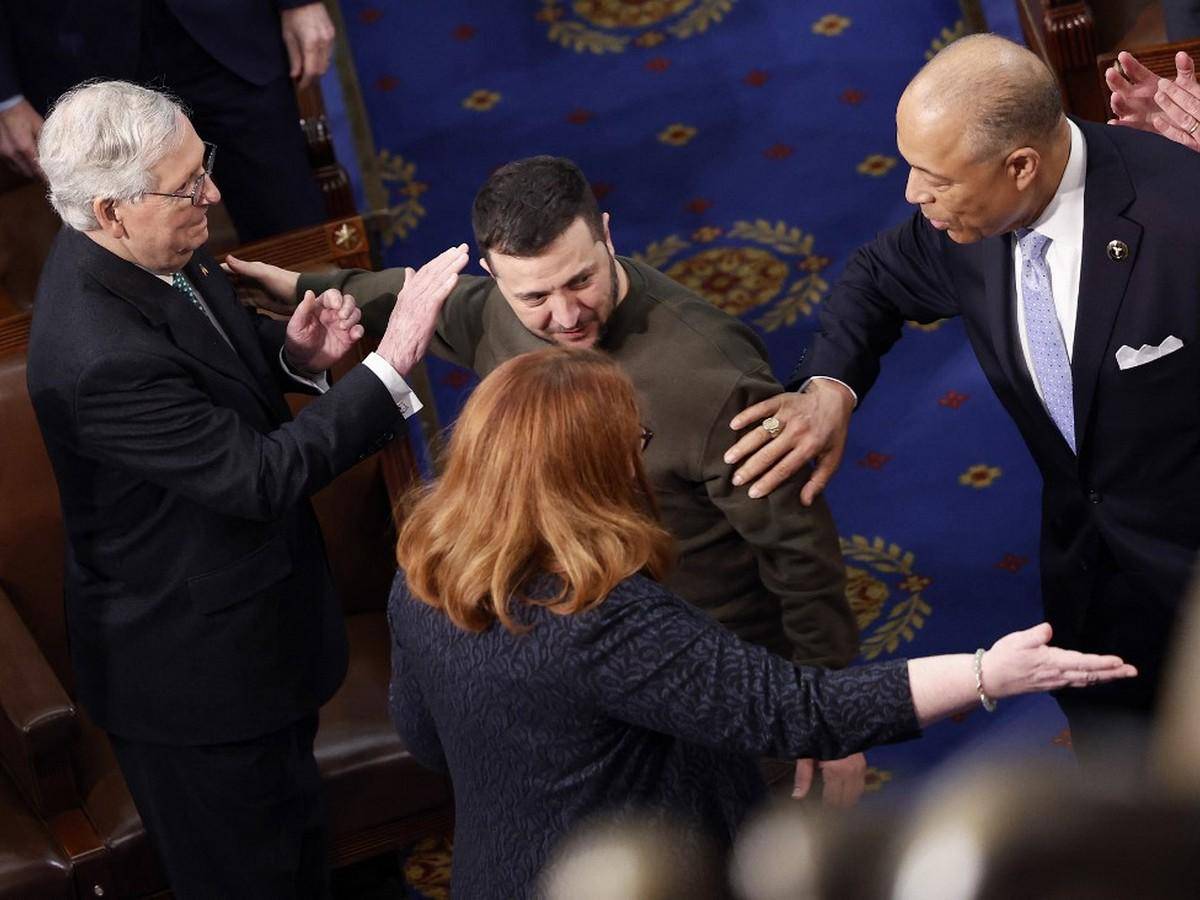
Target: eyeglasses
[
  {"x": 647, "y": 437},
  {"x": 197, "y": 191}
]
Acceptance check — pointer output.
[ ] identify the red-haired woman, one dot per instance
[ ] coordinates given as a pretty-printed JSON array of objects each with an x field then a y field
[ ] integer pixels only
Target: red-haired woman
[{"x": 538, "y": 660}]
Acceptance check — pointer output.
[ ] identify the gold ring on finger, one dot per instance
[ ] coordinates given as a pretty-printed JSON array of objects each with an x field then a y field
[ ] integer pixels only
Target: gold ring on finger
[
  {"x": 1192, "y": 130},
  {"x": 772, "y": 426}
]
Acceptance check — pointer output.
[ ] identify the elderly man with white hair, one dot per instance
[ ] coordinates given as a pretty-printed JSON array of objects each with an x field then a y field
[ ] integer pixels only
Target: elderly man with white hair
[{"x": 203, "y": 625}]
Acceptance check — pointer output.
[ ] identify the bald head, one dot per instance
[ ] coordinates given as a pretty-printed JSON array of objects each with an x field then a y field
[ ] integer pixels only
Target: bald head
[
  {"x": 983, "y": 132},
  {"x": 998, "y": 94}
]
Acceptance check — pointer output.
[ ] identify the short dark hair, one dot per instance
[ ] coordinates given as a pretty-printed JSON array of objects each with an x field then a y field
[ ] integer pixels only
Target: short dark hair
[{"x": 525, "y": 205}]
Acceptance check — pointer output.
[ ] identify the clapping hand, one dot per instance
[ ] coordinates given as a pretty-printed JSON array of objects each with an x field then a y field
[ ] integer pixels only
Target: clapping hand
[
  {"x": 1140, "y": 99},
  {"x": 321, "y": 331},
  {"x": 1179, "y": 101}
]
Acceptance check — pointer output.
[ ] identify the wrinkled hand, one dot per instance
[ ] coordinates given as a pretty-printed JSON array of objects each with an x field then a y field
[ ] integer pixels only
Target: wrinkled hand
[
  {"x": 321, "y": 330},
  {"x": 1023, "y": 663},
  {"x": 262, "y": 285},
  {"x": 308, "y": 36},
  {"x": 1179, "y": 102},
  {"x": 415, "y": 314},
  {"x": 19, "y": 130},
  {"x": 843, "y": 780},
  {"x": 815, "y": 425}
]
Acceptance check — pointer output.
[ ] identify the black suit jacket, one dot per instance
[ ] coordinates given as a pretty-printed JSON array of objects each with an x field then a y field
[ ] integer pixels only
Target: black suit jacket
[
  {"x": 1135, "y": 483},
  {"x": 46, "y": 48},
  {"x": 198, "y": 598}
]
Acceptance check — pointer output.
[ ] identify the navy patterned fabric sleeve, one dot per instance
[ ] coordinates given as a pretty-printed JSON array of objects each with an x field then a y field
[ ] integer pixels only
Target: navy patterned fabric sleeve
[
  {"x": 410, "y": 713},
  {"x": 654, "y": 661}
]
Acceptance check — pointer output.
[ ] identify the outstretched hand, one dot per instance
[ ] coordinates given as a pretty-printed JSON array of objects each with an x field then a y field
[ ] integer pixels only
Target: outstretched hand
[
  {"x": 262, "y": 285},
  {"x": 1024, "y": 663},
  {"x": 321, "y": 330},
  {"x": 814, "y": 423}
]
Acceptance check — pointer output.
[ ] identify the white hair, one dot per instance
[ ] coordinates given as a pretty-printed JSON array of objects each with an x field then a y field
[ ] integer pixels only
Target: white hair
[{"x": 101, "y": 140}]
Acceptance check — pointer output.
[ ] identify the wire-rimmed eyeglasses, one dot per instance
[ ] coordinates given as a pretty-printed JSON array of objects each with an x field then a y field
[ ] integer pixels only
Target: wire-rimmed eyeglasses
[{"x": 197, "y": 190}]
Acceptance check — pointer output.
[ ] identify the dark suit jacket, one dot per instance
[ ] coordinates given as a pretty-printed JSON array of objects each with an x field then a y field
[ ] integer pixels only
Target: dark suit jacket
[
  {"x": 199, "y": 602},
  {"x": 46, "y": 48},
  {"x": 1135, "y": 484}
]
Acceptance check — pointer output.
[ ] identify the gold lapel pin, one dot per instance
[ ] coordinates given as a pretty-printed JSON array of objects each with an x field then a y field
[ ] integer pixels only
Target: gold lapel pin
[
  {"x": 1118, "y": 251},
  {"x": 203, "y": 270}
]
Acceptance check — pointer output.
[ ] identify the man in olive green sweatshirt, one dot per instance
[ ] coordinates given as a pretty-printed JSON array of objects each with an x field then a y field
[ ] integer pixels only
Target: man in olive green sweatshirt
[{"x": 768, "y": 569}]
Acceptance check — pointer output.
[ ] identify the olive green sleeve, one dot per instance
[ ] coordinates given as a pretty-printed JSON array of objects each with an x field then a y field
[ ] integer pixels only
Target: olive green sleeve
[
  {"x": 460, "y": 324},
  {"x": 796, "y": 547}
]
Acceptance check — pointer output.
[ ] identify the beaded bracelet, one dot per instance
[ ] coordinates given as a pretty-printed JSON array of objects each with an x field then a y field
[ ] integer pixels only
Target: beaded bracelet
[{"x": 987, "y": 702}]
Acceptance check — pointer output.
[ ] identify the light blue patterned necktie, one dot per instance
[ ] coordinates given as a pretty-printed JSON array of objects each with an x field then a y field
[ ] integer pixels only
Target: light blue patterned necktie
[{"x": 1047, "y": 349}]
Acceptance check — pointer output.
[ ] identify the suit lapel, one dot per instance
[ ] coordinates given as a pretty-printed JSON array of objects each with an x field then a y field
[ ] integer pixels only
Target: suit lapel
[
  {"x": 165, "y": 307},
  {"x": 1102, "y": 280},
  {"x": 218, "y": 293}
]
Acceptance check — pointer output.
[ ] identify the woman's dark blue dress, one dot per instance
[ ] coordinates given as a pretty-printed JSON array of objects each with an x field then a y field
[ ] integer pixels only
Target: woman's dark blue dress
[{"x": 640, "y": 703}]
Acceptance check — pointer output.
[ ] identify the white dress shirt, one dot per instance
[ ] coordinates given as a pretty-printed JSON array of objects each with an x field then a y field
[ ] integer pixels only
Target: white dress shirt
[{"x": 1062, "y": 222}]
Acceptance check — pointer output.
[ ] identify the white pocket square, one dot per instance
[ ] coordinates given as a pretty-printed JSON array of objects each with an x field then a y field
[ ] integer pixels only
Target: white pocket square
[{"x": 1128, "y": 358}]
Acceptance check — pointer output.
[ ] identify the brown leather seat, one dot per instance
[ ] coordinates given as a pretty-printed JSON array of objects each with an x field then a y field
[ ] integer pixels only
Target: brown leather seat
[
  {"x": 378, "y": 797},
  {"x": 364, "y": 765},
  {"x": 32, "y": 866}
]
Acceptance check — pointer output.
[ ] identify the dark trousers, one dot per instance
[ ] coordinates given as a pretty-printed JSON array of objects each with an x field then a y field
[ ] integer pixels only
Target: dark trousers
[
  {"x": 1110, "y": 723},
  {"x": 239, "y": 820},
  {"x": 262, "y": 160}
]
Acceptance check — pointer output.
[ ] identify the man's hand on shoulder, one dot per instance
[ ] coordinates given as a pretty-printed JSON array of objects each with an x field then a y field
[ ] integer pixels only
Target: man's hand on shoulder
[
  {"x": 321, "y": 331},
  {"x": 813, "y": 424},
  {"x": 415, "y": 315}
]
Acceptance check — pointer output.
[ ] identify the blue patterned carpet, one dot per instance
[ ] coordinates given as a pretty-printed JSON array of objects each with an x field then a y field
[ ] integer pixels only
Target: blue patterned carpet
[{"x": 746, "y": 148}]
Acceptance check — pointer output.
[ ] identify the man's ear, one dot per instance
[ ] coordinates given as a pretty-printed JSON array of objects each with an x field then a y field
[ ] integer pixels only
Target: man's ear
[
  {"x": 604, "y": 218},
  {"x": 483, "y": 264},
  {"x": 1022, "y": 166},
  {"x": 106, "y": 214}
]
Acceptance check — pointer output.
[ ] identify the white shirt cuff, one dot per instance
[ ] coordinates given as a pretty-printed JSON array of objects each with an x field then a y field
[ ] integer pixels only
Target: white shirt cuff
[
  {"x": 11, "y": 102},
  {"x": 809, "y": 381},
  {"x": 320, "y": 381},
  {"x": 408, "y": 402}
]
